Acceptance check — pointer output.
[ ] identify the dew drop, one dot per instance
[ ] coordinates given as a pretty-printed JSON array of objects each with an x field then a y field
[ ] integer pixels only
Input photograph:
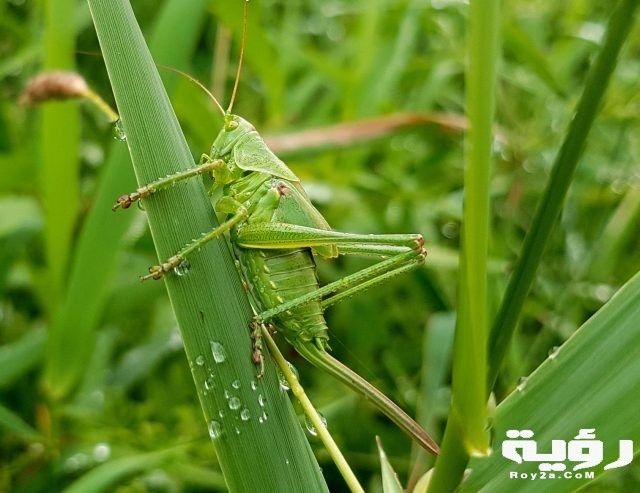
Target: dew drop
[
  {"x": 294, "y": 370},
  {"x": 140, "y": 205},
  {"x": 261, "y": 400},
  {"x": 237, "y": 430},
  {"x": 234, "y": 403},
  {"x": 209, "y": 383},
  {"x": 236, "y": 384},
  {"x": 200, "y": 360},
  {"x": 603, "y": 292},
  {"x": 218, "y": 352},
  {"x": 245, "y": 414},
  {"x": 284, "y": 385},
  {"x": 215, "y": 429},
  {"x": 101, "y": 452},
  {"x": 182, "y": 268},
  {"x": 221, "y": 413},
  {"x": 118, "y": 131},
  {"x": 226, "y": 394},
  {"x": 312, "y": 429},
  {"x": 254, "y": 385},
  {"x": 553, "y": 352},
  {"x": 522, "y": 384},
  {"x": 76, "y": 462}
]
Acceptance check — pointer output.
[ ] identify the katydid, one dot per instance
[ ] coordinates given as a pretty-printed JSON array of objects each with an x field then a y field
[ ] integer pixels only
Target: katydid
[{"x": 275, "y": 233}]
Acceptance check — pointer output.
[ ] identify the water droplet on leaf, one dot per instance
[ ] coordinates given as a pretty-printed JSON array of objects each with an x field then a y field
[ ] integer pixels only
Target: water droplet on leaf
[
  {"x": 312, "y": 429},
  {"x": 245, "y": 414},
  {"x": 522, "y": 384},
  {"x": 284, "y": 385},
  {"x": 293, "y": 369},
  {"x": 118, "y": 131},
  {"x": 234, "y": 403},
  {"x": 200, "y": 360},
  {"x": 218, "y": 352},
  {"x": 76, "y": 462},
  {"x": 215, "y": 429},
  {"x": 101, "y": 452},
  {"x": 182, "y": 268}
]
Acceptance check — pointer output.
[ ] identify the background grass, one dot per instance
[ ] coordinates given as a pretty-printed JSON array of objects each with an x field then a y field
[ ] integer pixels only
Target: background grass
[{"x": 311, "y": 63}]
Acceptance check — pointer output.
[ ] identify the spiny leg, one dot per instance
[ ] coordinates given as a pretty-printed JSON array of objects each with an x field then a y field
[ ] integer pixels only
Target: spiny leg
[
  {"x": 158, "y": 271},
  {"x": 225, "y": 205},
  {"x": 374, "y": 281},
  {"x": 207, "y": 165},
  {"x": 364, "y": 284},
  {"x": 406, "y": 253},
  {"x": 351, "y": 284},
  {"x": 275, "y": 235}
]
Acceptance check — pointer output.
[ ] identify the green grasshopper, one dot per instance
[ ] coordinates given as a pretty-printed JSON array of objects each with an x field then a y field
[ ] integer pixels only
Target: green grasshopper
[{"x": 275, "y": 232}]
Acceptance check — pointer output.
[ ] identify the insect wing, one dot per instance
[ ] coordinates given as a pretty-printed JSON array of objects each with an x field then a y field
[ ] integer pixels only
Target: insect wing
[
  {"x": 296, "y": 208},
  {"x": 252, "y": 154}
]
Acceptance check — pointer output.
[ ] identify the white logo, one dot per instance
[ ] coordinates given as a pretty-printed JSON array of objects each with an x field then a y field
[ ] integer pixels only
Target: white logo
[{"x": 583, "y": 449}]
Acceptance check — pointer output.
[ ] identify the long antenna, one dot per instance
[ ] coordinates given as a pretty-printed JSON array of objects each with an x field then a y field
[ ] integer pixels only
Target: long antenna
[
  {"x": 244, "y": 38},
  {"x": 177, "y": 71},
  {"x": 197, "y": 83}
]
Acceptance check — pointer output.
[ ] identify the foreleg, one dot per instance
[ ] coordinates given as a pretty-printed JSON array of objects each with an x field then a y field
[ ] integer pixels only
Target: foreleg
[{"x": 207, "y": 165}]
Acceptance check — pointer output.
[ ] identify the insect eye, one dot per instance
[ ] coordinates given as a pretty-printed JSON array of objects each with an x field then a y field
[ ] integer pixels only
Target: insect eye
[{"x": 231, "y": 125}]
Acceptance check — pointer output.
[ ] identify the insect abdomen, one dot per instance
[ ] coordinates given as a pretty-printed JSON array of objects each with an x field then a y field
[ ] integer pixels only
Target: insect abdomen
[{"x": 277, "y": 276}]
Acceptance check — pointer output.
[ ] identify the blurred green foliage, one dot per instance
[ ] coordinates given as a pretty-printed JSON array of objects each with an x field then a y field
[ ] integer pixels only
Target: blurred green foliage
[{"x": 312, "y": 63}]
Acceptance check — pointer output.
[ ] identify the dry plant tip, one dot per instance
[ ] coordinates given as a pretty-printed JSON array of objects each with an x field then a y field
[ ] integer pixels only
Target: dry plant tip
[{"x": 54, "y": 86}]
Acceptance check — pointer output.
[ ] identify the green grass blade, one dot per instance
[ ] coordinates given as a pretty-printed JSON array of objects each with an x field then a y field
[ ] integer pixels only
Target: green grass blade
[
  {"x": 94, "y": 263},
  {"x": 570, "y": 391},
  {"x": 106, "y": 476},
  {"x": 14, "y": 423},
  {"x": 466, "y": 430},
  {"x": 469, "y": 365},
  {"x": 198, "y": 478},
  {"x": 60, "y": 133},
  {"x": 20, "y": 356},
  {"x": 616, "y": 236},
  {"x": 524, "y": 49},
  {"x": 559, "y": 181},
  {"x": 390, "y": 481},
  {"x": 436, "y": 349},
  {"x": 209, "y": 302}
]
